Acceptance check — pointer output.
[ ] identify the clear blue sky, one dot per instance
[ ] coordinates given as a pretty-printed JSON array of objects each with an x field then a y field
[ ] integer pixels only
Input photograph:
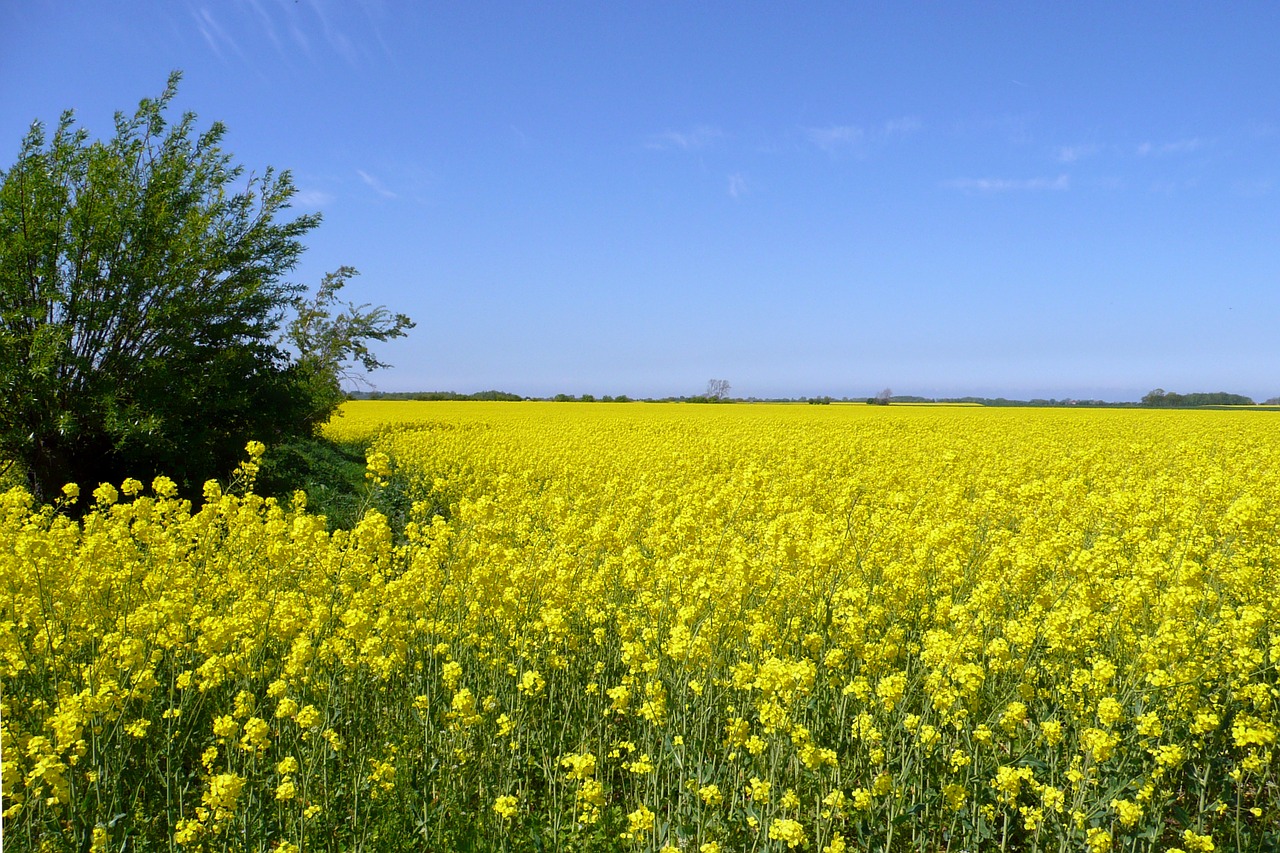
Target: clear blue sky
[{"x": 1019, "y": 199}]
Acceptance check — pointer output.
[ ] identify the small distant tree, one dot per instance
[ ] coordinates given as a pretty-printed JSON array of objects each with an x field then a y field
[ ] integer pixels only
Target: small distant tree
[
  {"x": 883, "y": 398},
  {"x": 1156, "y": 397},
  {"x": 717, "y": 389}
]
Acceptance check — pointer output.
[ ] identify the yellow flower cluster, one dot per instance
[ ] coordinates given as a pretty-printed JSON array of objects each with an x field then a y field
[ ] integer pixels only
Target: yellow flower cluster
[{"x": 668, "y": 626}]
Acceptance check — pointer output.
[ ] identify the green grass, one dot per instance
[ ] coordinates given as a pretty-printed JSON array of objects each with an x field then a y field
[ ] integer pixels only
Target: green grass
[{"x": 333, "y": 476}]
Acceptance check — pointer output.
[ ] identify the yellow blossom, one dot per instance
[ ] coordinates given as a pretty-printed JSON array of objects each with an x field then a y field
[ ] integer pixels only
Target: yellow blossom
[{"x": 505, "y": 806}]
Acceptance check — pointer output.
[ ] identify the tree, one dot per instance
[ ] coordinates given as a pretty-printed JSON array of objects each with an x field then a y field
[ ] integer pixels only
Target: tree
[
  {"x": 141, "y": 300},
  {"x": 1157, "y": 397},
  {"x": 1160, "y": 398},
  {"x": 717, "y": 389},
  {"x": 329, "y": 345}
]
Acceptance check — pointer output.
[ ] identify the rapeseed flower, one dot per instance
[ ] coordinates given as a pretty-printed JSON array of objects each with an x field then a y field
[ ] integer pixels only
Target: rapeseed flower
[{"x": 1041, "y": 617}]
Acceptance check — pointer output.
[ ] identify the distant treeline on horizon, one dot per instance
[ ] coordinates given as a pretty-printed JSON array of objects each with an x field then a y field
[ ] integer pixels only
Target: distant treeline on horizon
[{"x": 1157, "y": 399}]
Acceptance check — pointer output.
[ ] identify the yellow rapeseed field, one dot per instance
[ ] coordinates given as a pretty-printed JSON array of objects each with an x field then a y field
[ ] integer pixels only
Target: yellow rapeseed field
[{"x": 667, "y": 627}]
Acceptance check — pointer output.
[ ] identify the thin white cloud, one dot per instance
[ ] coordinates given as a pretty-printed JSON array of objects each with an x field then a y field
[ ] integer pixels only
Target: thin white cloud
[
  {"x": 209, "y": 29},
  {"x": 737, "y": 185},
  {"x": 999, "y": 185},
  {"x": 835, "y": 138},
  {"x": 902, "y": 125},
  {"x": 375, "y": 184},
  {"x": 1072, "y": 153},
  {"x": 268, "y": 26},
  {"x": 700, "y": 136},
  {"x": 1180, "y": 146},
  {"x": 1014, "y": 128},
  {"x": 334, "y": 34},
  {"x": 215, "y": 35},
  {"x": 312, "y": 198},
  {"x": 839, "y": 138},
  {"x": 315, "y": 29},
  {"x": 300, "y": 38}
]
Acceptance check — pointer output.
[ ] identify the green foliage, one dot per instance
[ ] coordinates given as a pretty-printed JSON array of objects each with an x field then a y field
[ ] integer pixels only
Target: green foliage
[
  {"x": 141, "y": 302},
  {"x": 133, "y": 281},
  {"x": 12, "y": 474},
  {"x": 329, "y": 336},
  {"x": 440, "y": 395},
  {"x": 333, "y": 476},
  {"x": 1159, "y": 398}
]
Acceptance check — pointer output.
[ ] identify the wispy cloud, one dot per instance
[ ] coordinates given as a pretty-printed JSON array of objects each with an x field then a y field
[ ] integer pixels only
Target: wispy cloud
[
  {"x": 215, "y": 35},
  {"x": 1072, "y": 153},
  {"x": 835, "y": 138},
  {"x": 300, "y": 38},
  {"x": 1000, "y": 185},
  {"x": 1180, "y": 146},
  {"x": 840, "y": 138},
  {"x": 312, "y": 198},
  {"x": 335, "y": 34},
  {"x": 318, "y": 30},
  {"x": 266, "y": 23},
  {"x": 700, "y": 136},
  {"x": 375, "y": 184},
  {"x": 737, "y": 185},
  {"x": 1012, "y": 128},
  {"x": 903, "y": 125}
]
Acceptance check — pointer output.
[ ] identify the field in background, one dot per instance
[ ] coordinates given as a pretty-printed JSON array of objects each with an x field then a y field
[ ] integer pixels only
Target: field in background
[{"x": 648, "y": 626}]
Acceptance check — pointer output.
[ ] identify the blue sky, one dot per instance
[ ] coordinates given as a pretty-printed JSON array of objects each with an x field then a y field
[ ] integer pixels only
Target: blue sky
[{"x": 1020, "y": 199}]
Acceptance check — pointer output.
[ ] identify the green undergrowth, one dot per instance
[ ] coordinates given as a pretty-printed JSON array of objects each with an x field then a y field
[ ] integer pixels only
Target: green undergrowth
[{"x": 332, "y": 473}]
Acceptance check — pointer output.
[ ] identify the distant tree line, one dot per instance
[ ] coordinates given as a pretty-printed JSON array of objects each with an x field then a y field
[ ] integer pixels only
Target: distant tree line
[
  {"x": 718, "y": 393},
  {"x": 435, "y": 395},
  {"x": 1035, "y": 403},
  {"x": 590, "y": 398},
  {"x": 1159, "y": 398}
]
